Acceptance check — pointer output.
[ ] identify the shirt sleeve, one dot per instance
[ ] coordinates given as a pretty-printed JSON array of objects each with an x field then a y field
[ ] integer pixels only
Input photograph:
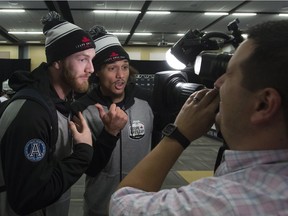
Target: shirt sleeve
[
  {"x": 199, "y": 199},
  {"x": 34, "y": 179}
]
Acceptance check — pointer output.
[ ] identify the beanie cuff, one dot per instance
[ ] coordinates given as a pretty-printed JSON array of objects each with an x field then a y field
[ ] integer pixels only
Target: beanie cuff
[{"x": 110, "y": 55}]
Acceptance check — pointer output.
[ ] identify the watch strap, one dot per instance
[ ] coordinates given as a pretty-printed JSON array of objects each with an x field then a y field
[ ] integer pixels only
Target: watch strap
[
  {"x": 177, "y": 135},
  {"x": 181, "y": 138}
]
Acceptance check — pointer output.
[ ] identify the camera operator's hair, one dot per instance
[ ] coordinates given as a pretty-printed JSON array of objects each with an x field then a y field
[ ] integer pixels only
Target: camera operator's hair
[{"x": 267, "y": 66}]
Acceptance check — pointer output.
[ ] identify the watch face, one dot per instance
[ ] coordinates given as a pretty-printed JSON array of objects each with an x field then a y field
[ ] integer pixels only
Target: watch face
[{"x": 169, "y": 129}]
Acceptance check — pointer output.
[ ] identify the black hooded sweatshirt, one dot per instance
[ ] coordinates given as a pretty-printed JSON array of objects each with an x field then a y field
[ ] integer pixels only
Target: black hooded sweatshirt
[{"x": 35, "y": 171}]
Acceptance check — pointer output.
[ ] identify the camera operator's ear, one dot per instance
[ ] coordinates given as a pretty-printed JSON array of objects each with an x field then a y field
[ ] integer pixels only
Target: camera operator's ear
[{"x": 267, "y": 105}]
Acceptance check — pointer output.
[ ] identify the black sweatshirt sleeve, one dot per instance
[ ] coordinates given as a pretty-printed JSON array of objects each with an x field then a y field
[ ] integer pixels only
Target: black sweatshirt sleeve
[
  {"x": 33, "y": 178},
  {"x": 104, "y": 144},
  {"x": 103, "y": 148}
]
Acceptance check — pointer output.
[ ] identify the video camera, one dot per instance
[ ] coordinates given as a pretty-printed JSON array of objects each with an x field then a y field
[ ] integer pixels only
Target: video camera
[{"x": 206, "y": 60}]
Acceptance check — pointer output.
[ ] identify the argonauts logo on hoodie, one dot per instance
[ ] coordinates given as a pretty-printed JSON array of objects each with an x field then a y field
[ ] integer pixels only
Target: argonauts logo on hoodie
[
  {"x": 137, "y": 130},
  {"x": 35, "y": 150}
]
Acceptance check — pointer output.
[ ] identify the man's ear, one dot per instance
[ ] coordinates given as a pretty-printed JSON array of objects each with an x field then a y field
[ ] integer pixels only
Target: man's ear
[
  {"x": 267, "y": 104},
  {"x": 57, "y": 64}
]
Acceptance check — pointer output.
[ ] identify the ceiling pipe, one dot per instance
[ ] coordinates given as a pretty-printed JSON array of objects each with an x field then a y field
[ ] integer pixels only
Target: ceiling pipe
[
  {"x": 138, "y": 20},
  {"x": 9, "y": 37}
]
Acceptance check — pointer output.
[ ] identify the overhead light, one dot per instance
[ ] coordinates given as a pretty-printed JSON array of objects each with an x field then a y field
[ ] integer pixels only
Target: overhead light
[
  {"x": 3, "y": 41},
  {"x": 129, "y": 12},
  {"x": 33, "y": 42},
  {"x": 244, "y": 14},
  {"x": 120, "y": 33},
  {"x": 24, "y": 32},
  {"x": 139, "y": 43},
  {"x": 180, "y": 34},
  {"x": 158, "y": 12},
  {"x": 12, "y": 10},
  {"x": 116, "y": 11},
  {"x": 143, "y": 34},
  {"x": 283, "y": 14},
  {"x": 105, "y": 11},
  {"x": 215, "y": 13}
]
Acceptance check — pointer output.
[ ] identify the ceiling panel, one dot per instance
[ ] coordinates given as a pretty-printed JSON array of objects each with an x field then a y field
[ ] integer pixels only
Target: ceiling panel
[
  {"x": 112, "y": 22},
  {"x": 23, "y": 4},
  {"x": 106, "y": 5},
  {"x": 194, "y": 5},
  {"x": 28, "y": 21},
  {"x": 244, "y": 23},
  {"x": 173, "y": 23},
  {"x": 265, "y": 6},
  {"x": 184, "y": 15}
]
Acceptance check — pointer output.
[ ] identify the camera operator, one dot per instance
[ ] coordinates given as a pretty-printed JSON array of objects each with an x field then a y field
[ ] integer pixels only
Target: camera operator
[{"x": 253, "y": 119}]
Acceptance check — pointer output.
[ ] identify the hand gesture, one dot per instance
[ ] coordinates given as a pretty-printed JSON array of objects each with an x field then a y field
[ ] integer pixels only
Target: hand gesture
[
  {"x": 114, "y": 120},
  {"x": 198, "y": 113},
  {"x": 80, "y": 130}
]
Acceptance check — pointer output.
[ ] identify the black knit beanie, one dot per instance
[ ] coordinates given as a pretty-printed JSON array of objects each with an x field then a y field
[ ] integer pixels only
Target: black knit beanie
[
  {"x": 63, "y": 38},
  {"x": 108, "y": 48}
]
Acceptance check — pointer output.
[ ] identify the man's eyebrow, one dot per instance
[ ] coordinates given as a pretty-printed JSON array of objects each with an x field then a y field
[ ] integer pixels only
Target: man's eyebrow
[{"x": 82, "y": 54}]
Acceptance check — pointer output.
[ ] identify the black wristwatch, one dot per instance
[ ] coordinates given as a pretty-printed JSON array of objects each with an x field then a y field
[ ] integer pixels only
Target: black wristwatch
[{"x": 172, "y": 131}]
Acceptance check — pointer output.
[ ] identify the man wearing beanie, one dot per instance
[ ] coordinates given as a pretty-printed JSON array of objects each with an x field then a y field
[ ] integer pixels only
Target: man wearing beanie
[
  {"x": 124, "y": 142},
  {"x": 39, "y": 161}
]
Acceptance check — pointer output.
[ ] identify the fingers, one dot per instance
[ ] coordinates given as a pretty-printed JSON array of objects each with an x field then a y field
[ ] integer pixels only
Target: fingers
[
  {"x": 100, "y": 110},
  {"x": 114, "y": 120},
  {"x": 201, "y": 113},
  {"x": 204, "y": 98},
  {"x": 113, "y": 110},
  {"x": 80, "y": 130},
  {"x": 210, "y": 98},
  {"x": 83, "y": 122},
  {"x": 72, "y": 127},
  {"x": 79, "y": 121},
  {"x": 113, "y": 107},
  {"x": 191, "y": 97}
]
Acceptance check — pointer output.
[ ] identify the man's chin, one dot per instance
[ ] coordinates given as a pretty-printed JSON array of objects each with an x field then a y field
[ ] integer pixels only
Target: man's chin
[{"x": 81, "y": 88}]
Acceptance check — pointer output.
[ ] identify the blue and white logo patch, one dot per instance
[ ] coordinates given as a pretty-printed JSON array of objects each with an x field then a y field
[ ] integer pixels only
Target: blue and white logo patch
[{"x": 35, "y": 150}]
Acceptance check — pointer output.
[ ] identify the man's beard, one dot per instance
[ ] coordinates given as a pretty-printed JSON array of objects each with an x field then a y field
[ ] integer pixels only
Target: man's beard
[{"x": 71, "y": 81}]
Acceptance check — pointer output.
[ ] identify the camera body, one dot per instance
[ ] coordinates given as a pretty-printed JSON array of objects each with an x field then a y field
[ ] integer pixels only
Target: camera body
[{"x": 206, "y": 60}]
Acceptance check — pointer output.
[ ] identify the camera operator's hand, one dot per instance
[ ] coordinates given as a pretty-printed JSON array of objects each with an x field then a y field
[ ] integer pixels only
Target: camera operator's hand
[
  {"x": 198, "y": 113},
  {"x": 114, "y": 120},
  {"x": 194, "y": 119},
  {"x": 80, "y": 130}
]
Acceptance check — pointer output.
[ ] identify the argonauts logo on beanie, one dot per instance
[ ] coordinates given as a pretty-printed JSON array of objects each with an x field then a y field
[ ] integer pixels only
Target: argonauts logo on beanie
[
  {"x": 108, "y": 48},
  {"x": 63, "y": 38}
]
